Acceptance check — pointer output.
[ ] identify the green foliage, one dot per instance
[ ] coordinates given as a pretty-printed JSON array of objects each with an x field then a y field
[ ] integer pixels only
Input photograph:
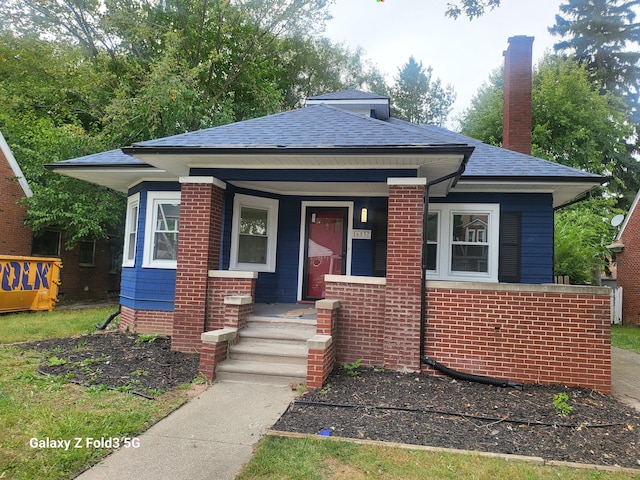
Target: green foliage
[
  {"x": 483, "y": 119},
  {"x": 582, "y": 232},
  {"x": 561, "y": 404},
  {"x": 604, "y": 36},
  {"x": 575, "y": 125},
  {"x": 470, "y": 8},
  {"x": 352, "y": 368},
  {"x": 418, "y": 97},
  {"x": 146, "y": 338},
  {"x": 56, "y": 362}
]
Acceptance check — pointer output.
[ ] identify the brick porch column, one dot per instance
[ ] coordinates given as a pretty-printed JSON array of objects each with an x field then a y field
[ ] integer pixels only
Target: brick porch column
[
  {"x": 404, "y": 270},
  {"x": 201, "y": 207}
]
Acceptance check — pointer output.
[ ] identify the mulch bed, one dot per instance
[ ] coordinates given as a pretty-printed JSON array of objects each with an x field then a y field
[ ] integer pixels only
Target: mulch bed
[
  {"x": 382, "y": 405},
  {"x": 118, "y": 361},
  {"x": 441, "y": 412}
]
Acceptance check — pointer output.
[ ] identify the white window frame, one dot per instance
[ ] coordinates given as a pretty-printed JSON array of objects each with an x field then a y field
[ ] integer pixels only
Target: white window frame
[
  {"x": 271, "y": 205},
  {"x": 446, "y": 211},
  {"x": 153, "y": 198},
  {"x": 131, "y": 229}
]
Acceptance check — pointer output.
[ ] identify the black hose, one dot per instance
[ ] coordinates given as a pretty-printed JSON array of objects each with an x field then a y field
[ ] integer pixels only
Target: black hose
[
  {"x": 496, "y": 382},
  {"x": 108, "y": 320}
]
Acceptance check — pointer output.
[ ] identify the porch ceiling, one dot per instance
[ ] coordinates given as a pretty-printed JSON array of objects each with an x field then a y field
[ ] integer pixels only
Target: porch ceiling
[{"x": 429, "y": 166}]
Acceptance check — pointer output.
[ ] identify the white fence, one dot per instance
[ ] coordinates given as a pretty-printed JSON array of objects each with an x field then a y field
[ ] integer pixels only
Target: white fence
[{"x": 616, "y": 305}]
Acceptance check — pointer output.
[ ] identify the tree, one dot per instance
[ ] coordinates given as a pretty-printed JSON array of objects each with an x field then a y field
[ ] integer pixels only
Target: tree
[
  {"x": 577, "y": 126},
  {"x": 471, "y": 8},
  {"x": 418, "y": 97},
  {"x": 582, "y": 232},
  {"x": 52, "y": 100},
  {"x": 483, "y": 119},
  {"x": 317, "y": 65},
  {"x": 603, "y": 35}
]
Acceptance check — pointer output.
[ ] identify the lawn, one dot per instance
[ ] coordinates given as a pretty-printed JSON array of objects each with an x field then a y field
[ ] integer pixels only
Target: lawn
[
  {"x": 28, "y": 326},
  {"x": 34, "y": 408},
  {"x": 626, "y": 337},
  {"x": 320, "y": 459}
]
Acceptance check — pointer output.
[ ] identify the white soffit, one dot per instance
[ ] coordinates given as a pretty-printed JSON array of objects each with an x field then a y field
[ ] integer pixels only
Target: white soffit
[{"x": 563, "y": 192}]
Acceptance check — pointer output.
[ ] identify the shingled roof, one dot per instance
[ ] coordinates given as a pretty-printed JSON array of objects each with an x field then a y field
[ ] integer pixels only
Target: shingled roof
[{"x": 328, "y": 129}]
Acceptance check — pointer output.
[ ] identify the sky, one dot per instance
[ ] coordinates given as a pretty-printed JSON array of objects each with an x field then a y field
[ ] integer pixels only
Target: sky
[{"x": 462, "y": 53}]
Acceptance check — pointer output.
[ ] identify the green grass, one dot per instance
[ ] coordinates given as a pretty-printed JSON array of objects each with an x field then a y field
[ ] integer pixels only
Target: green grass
[
  {"x": 623, "y": 336},
  {"x": 28, "y": 326},
  {"x": 34, "y": 406},
  {"x": 315, "y": 459}
]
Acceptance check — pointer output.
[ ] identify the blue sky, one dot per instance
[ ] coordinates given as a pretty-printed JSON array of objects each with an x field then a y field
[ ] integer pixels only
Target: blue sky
[{"x": 462, "y": 53}]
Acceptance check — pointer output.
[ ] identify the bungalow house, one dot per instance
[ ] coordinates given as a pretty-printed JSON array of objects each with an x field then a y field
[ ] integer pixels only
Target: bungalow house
[
  {"x": 412, "y": 242},
  {"x": 88, "y": 271}
]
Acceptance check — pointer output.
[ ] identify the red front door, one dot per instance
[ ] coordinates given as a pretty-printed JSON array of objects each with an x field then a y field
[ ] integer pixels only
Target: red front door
[{"x": 325, "y": 248}]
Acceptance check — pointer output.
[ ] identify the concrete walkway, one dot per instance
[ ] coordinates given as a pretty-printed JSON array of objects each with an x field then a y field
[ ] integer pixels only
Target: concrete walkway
[
  {"x": 209, "y": 438},
  {"x": 625, "y": 373}
]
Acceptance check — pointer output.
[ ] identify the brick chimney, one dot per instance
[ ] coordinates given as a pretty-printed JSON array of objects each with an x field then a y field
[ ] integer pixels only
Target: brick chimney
[{"x": 516, "y": 134}]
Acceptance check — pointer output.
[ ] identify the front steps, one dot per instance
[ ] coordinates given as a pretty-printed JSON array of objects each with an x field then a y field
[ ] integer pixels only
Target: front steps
[{"x": 269, "y": 350}]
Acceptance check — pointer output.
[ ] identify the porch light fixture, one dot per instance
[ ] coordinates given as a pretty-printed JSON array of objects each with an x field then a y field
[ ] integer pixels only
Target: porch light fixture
[{"x": 363, "y": 215}]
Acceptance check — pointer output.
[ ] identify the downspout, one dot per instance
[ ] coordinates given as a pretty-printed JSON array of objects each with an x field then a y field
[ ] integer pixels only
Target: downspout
[{"x": 423, "y": 299}]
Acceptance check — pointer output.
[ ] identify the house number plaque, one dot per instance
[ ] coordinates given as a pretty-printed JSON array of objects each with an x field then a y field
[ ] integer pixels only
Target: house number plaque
[{"x": 362, "y": 234}]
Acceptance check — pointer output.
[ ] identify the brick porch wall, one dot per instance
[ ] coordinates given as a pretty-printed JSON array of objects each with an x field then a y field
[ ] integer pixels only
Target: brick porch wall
[
  {"x": 224, "y": 283},
  {"x": 547, "y": 334},
  {"x": 526, "y": 333},
  {"x": 360, "y": 329}
]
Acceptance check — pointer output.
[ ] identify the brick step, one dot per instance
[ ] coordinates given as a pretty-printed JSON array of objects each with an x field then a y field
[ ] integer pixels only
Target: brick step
[
  {"x": 261, "y": 372},
  {"x": 265, "y": 351}
]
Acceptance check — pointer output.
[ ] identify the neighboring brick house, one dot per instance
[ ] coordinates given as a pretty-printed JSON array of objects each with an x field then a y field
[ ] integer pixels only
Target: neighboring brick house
[
  {"x": 88, "y": 270},
  {"x": 627, "y": 249},
  {"x": 415, "y": 242}
]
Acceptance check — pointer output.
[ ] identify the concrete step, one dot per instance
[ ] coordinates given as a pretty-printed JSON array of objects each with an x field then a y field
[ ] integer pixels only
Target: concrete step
[
  {"x": 261, "y": 372},
  {"x": 276, "y": 333},
  {"x": 259, "y": 350},
  {"x": 279, "y": 322}
]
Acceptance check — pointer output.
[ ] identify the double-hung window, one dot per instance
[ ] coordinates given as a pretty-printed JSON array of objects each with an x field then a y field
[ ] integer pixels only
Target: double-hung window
[
  {"x": 131, "y": 231},
  {"x": 161, "y": 232},
  {"x": 254, "y": 234},
  {"x": 462, "y": 242}
]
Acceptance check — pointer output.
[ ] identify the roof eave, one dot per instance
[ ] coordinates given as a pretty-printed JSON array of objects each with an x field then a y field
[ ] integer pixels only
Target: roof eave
[{"x": 303, "y": 150}]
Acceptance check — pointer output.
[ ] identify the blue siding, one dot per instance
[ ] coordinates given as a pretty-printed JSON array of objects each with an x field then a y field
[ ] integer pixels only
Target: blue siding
[
  {"x": 147, "y": 288},
  {"x": 154, "y": 289},
  {"x": 536, "y": 257}
]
